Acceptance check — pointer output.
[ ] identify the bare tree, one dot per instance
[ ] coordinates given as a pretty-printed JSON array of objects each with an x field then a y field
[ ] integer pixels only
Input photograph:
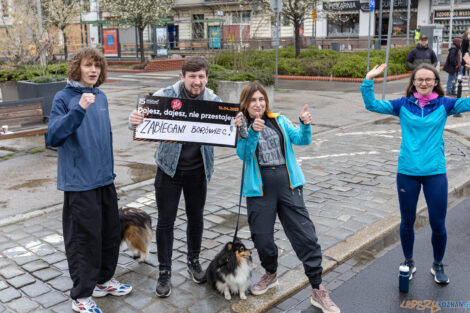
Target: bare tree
[
  {"x": 21, "y": 42},
  {"x": 60, "y": 13},
  {"x": 139, "y": 13},
  {"x": 293, "y": 10}
]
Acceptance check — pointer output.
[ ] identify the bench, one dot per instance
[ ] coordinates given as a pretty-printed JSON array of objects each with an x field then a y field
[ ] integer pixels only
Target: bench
[{"x": 24, "y": 118}]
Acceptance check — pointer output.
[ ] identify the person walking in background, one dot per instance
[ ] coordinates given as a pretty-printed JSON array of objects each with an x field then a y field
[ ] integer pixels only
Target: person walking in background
[
  {"x": 464, "y": 48},
  {"x": 79, "y": 126},
  {"x": 423, "y": 113},
  {"x": 183, "y": 168},
  {"x": 273, "y": 185},
  {"x": 420, "y": 54},
  {"x": 453, "y": 65}
]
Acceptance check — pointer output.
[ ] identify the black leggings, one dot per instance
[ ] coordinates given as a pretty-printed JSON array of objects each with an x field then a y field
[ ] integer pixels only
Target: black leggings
[{"x": 278, "y": 198}]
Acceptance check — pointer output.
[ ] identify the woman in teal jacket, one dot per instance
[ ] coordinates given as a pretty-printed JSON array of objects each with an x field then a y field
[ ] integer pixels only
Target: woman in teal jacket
[
  {"x": 273, "y": 186},
  {"x": 423, "y": 113}
]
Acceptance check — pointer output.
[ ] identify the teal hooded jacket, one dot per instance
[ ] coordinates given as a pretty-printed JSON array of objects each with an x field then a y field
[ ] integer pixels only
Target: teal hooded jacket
[
  {"x": 252, "y": 183},
  {"x": 422, "y": 128}
]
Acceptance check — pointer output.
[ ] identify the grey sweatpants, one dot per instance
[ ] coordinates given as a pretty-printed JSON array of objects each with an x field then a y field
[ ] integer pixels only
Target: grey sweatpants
[{"x": 278, "y": 198}]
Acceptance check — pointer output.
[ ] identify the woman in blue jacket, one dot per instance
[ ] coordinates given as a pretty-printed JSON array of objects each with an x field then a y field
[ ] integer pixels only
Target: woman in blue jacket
[
  {"x": 273, "y": 185},
  {"x": 423, "y": 113}
]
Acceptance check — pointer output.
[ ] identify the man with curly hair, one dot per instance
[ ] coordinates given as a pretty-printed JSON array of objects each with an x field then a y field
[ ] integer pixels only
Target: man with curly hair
[{"x": 80, "y": 128}]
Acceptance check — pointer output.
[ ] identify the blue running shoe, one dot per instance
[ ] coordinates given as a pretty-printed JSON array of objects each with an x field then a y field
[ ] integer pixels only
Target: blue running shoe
[
  {"x": 111, "y": 287},
  {"x": 440, "y": 276}
]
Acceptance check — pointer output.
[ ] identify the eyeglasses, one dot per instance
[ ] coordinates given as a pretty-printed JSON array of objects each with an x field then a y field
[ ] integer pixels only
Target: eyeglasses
[{"x": 427, "y": 80}]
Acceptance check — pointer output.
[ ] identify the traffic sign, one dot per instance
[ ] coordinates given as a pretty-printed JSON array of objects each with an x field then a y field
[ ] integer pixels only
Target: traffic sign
[
  {"x": 314, "y": 14},
  {"x": 371, "y": 5},
  {"x": 276, "y": 5}
]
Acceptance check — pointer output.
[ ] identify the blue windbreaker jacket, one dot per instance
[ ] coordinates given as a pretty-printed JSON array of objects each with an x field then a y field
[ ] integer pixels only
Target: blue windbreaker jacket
[
  {"x": 252, "y": 183},
  {"x": 84, "y": 140},
  {"x": 422, "y": 144}
]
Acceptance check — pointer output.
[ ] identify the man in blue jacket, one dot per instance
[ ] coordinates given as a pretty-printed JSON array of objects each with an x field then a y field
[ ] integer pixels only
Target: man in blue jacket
[
  {"x": 421, "y": 54},
  {"x": 79, "y": 126},
  {"x": 183, "y": 168}
]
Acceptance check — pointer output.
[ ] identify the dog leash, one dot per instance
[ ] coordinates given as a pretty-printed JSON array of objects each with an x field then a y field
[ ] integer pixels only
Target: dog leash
[{"x": 244, "y": 135}]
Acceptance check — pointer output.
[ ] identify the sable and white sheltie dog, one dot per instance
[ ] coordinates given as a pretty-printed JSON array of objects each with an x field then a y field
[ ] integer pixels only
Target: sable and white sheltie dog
[
  {"x": 136, "y": 231},
  {"x": 230, "y": 270}
]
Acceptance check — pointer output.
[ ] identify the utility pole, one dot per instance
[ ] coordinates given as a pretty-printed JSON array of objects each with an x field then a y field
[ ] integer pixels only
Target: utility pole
[
  {"x": 387, "y": 54},
  {"x": 408, "y": 24},
  {"x": 42, "y": 57},
  {"x": 276, "y": 6},
  {"x": 451, "y": 20}
]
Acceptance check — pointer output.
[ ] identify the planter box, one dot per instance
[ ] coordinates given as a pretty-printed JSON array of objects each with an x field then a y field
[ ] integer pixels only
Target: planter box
[
  {"x": 230, "y": 91},
  {"x": 47, "y": 91},
  {"x": 9, "y": 91}
]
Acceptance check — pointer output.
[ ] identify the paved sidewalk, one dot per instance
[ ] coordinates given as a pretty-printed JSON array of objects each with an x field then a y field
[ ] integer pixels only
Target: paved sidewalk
[
  {"x": 350, "y": 190},
  {"x": 350, "y": 193}
]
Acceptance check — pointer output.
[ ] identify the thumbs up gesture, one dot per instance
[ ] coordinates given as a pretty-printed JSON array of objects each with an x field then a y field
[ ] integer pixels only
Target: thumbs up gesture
[
  {"x": 258, "y": 123},
  {"x": 305, "y": 116}
]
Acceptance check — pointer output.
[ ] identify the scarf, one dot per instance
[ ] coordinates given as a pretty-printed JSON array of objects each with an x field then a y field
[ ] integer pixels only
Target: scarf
[{"x": 423, "y": 100}]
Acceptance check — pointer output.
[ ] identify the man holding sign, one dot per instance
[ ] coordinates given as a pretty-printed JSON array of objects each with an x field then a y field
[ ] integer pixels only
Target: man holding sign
[{"x": 182, "y": 167}]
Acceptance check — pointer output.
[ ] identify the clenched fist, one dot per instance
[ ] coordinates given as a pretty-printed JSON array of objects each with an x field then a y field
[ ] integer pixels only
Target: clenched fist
[{"x": 86, "y": 100}]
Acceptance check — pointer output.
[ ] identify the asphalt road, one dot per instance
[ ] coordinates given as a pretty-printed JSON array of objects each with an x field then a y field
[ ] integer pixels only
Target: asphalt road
[{"x": 375, "y": 289}]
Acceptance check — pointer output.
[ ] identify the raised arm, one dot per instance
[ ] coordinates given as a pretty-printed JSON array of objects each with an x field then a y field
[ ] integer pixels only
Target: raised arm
[{"x": 367, "y": 90}]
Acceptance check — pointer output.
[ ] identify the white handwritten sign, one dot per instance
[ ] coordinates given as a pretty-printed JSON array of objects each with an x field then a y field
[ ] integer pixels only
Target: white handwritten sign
[{"x": 186, "y": 120}]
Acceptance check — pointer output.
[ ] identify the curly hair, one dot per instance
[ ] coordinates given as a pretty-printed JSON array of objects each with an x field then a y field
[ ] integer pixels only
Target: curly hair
[{"x": 86, "y": 53}]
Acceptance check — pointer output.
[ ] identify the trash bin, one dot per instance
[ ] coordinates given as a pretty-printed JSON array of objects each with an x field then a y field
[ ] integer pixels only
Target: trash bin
[{"x": 335, "y": 46}]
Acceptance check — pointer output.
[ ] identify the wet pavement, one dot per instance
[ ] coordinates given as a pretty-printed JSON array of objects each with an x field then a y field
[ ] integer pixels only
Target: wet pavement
[{"x": 350, "y": 194}]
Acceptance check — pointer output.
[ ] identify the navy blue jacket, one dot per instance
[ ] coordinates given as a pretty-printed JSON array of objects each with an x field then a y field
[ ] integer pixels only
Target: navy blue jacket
[
  {"x": 420, "y": 55},
  {"x": 84, "y": 140}
]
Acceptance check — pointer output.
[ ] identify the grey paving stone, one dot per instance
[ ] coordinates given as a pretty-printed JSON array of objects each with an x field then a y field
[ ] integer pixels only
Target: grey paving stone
[
  {"x": 180, "y": 299},
  {"x": 138, "y": 300},
  {"x": 63, "y": 265},
  {"x": 43, "y": 249},
  {"x": 35, "y": 265},
  {"x": 210, "y": 305},
  {"x": 8, "y": 294},
  {"x": 10, "y": 272},
  {"x": 61, "y": 283},
  {"x": 54, "y": 258},
  {"x": 51, "y": 298},
  {"x": 62, "y": 307},
  {"x": 22, "y": 305},
  {"x": 3, "y": 285},
  {"x": 46, "y": 274},
  {"x": 36, "y": 289},
  {"x": 159, "y": 306},
  {"x": 289, "y": 260},
  {"x": 4, "y": 262},
  {"x": 21, "y": 281},
  {"x": 2, "y": 308}
]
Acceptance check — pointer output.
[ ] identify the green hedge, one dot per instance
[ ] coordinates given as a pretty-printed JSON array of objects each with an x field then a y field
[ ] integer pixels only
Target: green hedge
[
  {"x": 56, "y": 71},
  {"x": 312, "y": 62}
]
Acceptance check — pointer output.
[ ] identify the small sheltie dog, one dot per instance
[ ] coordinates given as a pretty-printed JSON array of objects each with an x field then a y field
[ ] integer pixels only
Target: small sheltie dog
[
  {"x": 230, "y": 270},
  {"x": 136, "y": 231}
]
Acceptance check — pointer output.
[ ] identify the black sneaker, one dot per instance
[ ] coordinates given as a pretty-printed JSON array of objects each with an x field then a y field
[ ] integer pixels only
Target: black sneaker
[
  {"x": 164, "y": 284},
  {"x": 196, "y": 272},
  {"x": 440, "y": 276},
  {"x": 411, "y": 266}
]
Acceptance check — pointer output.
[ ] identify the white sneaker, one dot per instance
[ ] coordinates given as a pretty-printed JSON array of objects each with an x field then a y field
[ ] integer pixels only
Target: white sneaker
[
  {"x": 85, "y": 305},
  {"x": 111, "y": 287}
]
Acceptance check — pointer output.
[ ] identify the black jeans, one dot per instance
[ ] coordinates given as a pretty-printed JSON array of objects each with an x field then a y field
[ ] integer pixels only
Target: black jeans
[
  {"x": 92, "y": 236},
  {"x": 168, "y": 192},
  {"x": 289, "y": 205}
]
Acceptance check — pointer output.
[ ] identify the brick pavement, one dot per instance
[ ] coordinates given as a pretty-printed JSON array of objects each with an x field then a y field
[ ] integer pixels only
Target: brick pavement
[{"x": 350, "y": 186}]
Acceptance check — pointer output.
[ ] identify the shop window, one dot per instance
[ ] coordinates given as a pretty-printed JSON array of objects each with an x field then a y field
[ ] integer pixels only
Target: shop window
[
  {"x": 198, "y": 26},
  {"x": 343, "y": 25}
]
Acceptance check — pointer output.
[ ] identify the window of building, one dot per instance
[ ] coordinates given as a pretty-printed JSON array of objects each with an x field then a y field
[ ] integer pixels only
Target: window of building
[
  {"x": 241, "y": 17},
  {"x": 198, "y": 26},
  {"x": 343, "y": 25},
  {"x": 4, "y": 7}
]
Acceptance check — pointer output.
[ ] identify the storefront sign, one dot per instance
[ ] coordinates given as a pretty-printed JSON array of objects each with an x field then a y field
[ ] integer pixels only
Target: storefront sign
[
  {"x": 186, "y": 120},
  {"x": 341, "y": 5},
  {"x": 457, "y": 13},
  {"x": 397, "y": 4}
]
